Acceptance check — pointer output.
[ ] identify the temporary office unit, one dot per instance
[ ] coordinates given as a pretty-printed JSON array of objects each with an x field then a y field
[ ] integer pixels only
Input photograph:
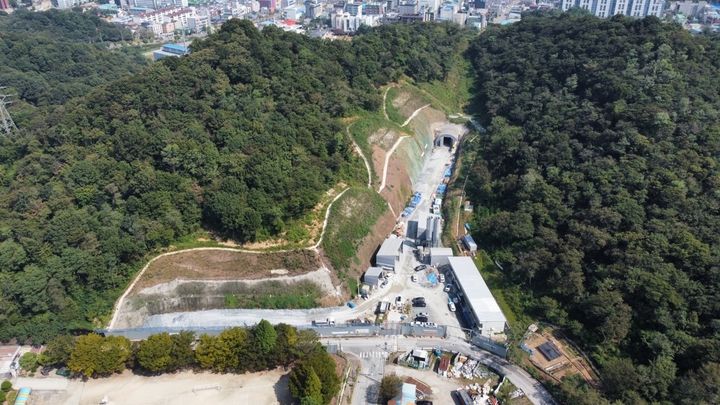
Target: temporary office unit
[
  {"x": 478, "y": 302},
  {"x": 469, "y": 243},
  {"x": 439, "y": 256},
  {"x": 373, "y": 276},
  {"x": 389, "y": 253}
]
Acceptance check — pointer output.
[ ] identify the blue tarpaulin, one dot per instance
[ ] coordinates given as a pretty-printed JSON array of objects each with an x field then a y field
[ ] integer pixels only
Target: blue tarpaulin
[{"x": 432, "y": 278}]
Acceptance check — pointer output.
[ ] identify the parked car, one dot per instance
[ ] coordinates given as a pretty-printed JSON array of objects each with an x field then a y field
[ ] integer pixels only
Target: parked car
[
  {"x": 418, "y": 299},
  {"x": 414, "y": 278},
  {"x": 421, "y": 318},
  {"x": 448, "y": 288},
  {"x": 419, "y": 304},
  {"x": 451, "y": 305},
  {"x": 421, "y": 267},
  {"x": 441, "y": 277},
  {"x": 398, "y": 300}
]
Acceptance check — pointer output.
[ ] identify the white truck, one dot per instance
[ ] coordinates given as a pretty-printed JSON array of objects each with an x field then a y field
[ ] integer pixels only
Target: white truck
[{"x": 324, "y": 322}]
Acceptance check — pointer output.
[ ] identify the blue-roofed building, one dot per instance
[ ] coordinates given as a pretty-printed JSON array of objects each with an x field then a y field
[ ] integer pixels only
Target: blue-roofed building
[{"x": 171, "y": 50}]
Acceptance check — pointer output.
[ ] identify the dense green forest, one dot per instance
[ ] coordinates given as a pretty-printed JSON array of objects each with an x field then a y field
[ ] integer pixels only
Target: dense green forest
[
  {"x": 49, "y": 57},
  {"x": 599, "y": 188},
  {"x": 239, "y": 137}
]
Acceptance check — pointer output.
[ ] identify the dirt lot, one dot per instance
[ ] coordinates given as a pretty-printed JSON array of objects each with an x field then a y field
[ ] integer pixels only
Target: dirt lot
[
  {"x": 441, "y": 387},
  {"x": 269, "y": 387},
  {"x": 214, "y": 264},
  {"x": 569, "y": 362}
]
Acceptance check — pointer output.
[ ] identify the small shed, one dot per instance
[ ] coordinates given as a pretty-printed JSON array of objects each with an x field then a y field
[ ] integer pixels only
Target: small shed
[
  {"x": 373, "y": 276},
  {"x": 389, "y": 252},
  {"x": 420, "y": 355},
  {"x": 382, "y": 307},
  {"x": 469, "y": 243},
  {"x": 439, "y": 256},
  {"x": 407, "y": 395}
]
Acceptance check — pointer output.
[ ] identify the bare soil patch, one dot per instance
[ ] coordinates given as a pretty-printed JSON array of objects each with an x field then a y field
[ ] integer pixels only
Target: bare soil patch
[
  {"x": 406, "y": 102},
  {"x": 384, "y": 138},
  {"x": 214, "y": 264},
  {"x": 568, "y": 363}
]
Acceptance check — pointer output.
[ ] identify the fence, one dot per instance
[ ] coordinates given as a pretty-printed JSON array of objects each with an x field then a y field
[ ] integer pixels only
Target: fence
[{"x": 487, "y": 344}]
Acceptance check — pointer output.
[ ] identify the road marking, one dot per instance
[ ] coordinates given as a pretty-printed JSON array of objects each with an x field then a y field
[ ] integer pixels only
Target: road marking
[{"x": 374, "y": 355}]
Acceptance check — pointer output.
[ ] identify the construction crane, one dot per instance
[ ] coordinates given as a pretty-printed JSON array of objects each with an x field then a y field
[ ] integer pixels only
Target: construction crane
[{"x": 6, "y": 121}]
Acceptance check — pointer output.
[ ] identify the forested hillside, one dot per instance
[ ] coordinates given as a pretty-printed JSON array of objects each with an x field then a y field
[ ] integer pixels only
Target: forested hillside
[
  {"x": 238, "y": 137},
  {"x": 49, "y": 57},
  {"x": 599, "y": 182}
]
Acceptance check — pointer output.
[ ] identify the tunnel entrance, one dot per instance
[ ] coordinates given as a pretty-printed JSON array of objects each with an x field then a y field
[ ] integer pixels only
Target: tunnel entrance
[{"x": 446, "y": 140}]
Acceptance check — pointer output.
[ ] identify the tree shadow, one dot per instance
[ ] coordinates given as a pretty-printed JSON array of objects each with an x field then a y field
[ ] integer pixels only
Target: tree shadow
[{"x": 282, "y": 390}]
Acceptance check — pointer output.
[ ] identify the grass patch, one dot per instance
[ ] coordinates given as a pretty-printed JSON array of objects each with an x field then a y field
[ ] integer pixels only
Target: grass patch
[
  {"x": 351, "y": 219},
  {"x": 453, "y": 93},
  {"x": 365, "y": 124},
  {"x": 392, "y": 112},
  {"x": 509, "y": 297},
  {"x": 276, "y": 295},
  {"x": 352, "y": 284},
  {"x": 411, "y": 98}
]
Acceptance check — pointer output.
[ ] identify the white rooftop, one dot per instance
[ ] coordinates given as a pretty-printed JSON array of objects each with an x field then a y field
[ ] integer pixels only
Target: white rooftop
[
  {"x": 477, "y": 294},
  {"x": 374, "y": 271},
  {"x": 390, "y": 247},
  {"x": 438, "y": 251}
]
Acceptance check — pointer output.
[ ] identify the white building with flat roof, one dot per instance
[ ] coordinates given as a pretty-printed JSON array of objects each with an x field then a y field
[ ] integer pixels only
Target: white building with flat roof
[
  {"x": 608, "y": 8},
  {"x": 389, "y": 253},
  {"x": 478, "y": 303},
  {"x": 439, "y": 256}
]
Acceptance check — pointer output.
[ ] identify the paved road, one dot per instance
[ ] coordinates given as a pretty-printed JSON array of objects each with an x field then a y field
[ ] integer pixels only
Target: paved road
[{"x": 536, "y": 393}]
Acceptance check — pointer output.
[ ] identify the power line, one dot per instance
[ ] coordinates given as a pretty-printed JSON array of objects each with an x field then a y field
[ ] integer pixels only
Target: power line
[{"x": 6, "y": 122}]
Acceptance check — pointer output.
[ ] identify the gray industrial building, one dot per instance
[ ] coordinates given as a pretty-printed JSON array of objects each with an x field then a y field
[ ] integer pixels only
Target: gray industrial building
[
  {"x": 389, "y": 253},
  {"x": 373, "y": 276},
  {"x": 439, "y": 256},
  {"x": 478, "y": 304}
]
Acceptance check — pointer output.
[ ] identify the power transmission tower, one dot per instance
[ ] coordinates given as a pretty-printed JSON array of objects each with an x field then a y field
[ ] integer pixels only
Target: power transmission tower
[{"x": 6, "y": 121}]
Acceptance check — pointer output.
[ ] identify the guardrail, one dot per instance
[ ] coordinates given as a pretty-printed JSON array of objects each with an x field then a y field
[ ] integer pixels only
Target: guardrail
[{"x": 350, "y": 330}]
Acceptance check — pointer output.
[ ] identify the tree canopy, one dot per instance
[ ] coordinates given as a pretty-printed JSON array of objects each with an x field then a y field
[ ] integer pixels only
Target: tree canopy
[
  {"x": 49, "y": 57},
  {"x": 239, "y": 137},
  {"x": 599, "y": 180}
]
